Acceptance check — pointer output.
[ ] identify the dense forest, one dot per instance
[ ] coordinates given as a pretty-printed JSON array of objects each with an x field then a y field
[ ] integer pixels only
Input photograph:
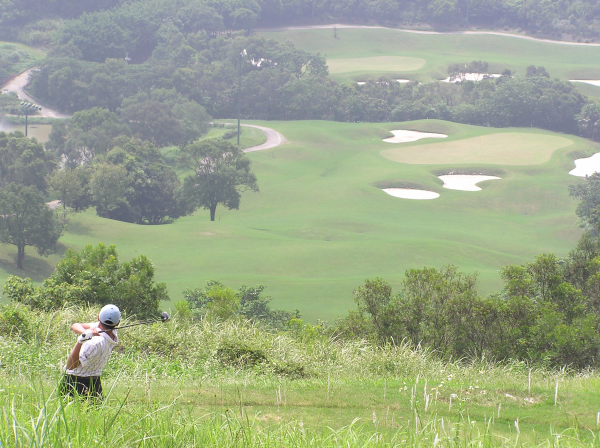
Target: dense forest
[{"x": 131, "y": 25}]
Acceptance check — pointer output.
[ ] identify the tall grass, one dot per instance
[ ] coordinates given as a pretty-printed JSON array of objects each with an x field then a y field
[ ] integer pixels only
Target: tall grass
[
  {"x": 34, "y": 417},
  {"x": 231, "y": 383}
]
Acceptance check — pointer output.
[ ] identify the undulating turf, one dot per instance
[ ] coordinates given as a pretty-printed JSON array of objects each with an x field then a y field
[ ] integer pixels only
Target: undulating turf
[
  {"x": 563, "y": 61},
  {"x": 507, "y": 148},
  {"x": 321, "y": 224},
  {"x": 587, "y": 89}
]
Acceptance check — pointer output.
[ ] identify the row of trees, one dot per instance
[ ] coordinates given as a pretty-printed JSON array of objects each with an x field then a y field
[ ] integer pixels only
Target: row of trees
[
  {"x": 158, "y": 99},
  {"x": 132, "y": 25},
  {"x": 548, "y": 311}
]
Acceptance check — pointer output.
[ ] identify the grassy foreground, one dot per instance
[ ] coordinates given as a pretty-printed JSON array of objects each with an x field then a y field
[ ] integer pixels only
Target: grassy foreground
[
  {"x": 321, "y": 224},
  {"x": 186, "y": 384},
  {"x": 351, "y": 55}
]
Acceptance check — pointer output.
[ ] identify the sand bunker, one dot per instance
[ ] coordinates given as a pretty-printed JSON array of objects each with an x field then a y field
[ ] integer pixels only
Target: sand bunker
[
  {"x": 408, "y": 193},
  {"x": 402, "y": 136},
  {"x": 401, "y": 81},
  {"x": 375, "y": 64},
  {"x": 586, "y": 167},
  {"x": 471, "y": 77},
  {"x": 509, "y": 148},
  {"x": 465, "y": 182},
  {"x": 587, "y": 81}
]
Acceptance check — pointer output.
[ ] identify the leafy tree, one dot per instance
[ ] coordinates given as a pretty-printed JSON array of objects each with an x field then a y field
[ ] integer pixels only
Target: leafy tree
[
  {"x": 24, "y": 161},
  {"x": 154, "y": 194},
  {"x": 71, "y": 187},
  {"x": 300, "y": 62},
  {"x": 87, "y": 134},
  {"x": 442, "y": 11},
  {"x": 108, "y": 186},
  {"x": 221, "y": 174},
  {"x": 375, "y": 298},
  {"x": 247, "y": 302},
  {"x": 25, "y": 220},
  {"x": 588, "y": 194},
  {"x": 533, "y": 71},
  {"x": 103, "y": 279},
  {"x": 588, "y": 121},
  {"x": 165, "y": 117}
]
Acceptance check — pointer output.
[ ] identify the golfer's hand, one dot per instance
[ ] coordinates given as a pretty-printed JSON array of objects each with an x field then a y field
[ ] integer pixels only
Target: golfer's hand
[{"x": 85, "y": 336}]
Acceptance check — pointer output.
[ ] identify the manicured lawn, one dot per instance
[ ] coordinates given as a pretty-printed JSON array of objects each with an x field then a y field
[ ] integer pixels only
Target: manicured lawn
[
  {"x": 321, "y": 225},
  {"x": 375, "y": 64},
  {"x": 563, "y": 61},
  {"x": 509, "y": 148}
]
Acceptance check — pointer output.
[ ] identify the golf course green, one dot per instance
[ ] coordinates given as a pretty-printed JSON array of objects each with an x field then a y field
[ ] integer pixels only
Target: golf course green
[
  {"x": 321, "y": 224},
  {"x": 350, "y": 55}
]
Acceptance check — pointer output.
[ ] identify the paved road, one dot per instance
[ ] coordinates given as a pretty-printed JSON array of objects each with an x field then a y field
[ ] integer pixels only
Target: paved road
[
  {"x": 18, "y": 83},
  {"x": 494, "y": 33},
  {"x": 274, "y": 138}
]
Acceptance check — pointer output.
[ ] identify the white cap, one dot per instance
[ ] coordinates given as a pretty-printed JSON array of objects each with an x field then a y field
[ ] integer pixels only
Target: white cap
[{"x": 110, "y": 315}]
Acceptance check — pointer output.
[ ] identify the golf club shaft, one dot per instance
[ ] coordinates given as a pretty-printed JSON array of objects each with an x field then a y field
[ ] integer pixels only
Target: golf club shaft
[{"x": 131, "y": 325}]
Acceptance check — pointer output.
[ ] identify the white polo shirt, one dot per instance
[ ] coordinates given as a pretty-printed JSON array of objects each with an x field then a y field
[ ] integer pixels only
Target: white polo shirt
[{"x": 94, "y": 354}]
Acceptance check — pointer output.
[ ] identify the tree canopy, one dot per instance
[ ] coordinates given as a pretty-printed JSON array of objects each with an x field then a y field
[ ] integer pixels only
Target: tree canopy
[
  {"x": 221, "y": 174},
  {"x": 26, "y": 220}
]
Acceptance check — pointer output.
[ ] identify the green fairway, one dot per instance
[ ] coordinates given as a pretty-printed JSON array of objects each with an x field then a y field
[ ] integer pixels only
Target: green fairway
[
  {"x": 563, "y": 61},
  {"x": 321, "y": 225},
  {"x": 509, "y": 148},
  {"x": 375, "y": 64},
  {"x": 587, "y": 89}
]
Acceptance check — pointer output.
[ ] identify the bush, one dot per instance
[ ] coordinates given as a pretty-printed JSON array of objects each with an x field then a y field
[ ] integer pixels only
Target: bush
[
  {"x": 238, "y": 354},
  {"x": 94, "y": 276},
  {"x": 15, "y": 321}
]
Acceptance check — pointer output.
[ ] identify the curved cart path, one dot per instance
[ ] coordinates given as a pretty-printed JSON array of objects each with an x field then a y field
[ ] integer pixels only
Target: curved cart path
[
  {"x": 18, "y": 83},
  {"x": 274, "y": 138},
  {"x": 494, "y": 33}
]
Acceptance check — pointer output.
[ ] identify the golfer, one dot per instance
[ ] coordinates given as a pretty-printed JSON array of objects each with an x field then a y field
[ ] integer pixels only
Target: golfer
[{"x": 90, "y": 354}]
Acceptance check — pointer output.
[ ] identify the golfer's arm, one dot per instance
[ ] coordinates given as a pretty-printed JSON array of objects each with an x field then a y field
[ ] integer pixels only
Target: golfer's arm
[
  {"x": 73, "y": 360},
  {"x": 80, "y": 328}
]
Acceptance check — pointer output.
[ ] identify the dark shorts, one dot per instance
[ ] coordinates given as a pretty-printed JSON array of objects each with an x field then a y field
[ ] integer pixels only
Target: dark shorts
[{"x": 81, "y": 386}]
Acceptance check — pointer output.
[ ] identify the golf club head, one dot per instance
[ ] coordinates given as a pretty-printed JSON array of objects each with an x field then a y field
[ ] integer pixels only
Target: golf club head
[{"x": 164, "y": 316}]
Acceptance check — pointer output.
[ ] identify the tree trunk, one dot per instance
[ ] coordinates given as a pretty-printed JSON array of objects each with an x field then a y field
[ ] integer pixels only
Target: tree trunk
[
  {"x": 213, "y": 209},
  {"x": 20, "y": 255}
]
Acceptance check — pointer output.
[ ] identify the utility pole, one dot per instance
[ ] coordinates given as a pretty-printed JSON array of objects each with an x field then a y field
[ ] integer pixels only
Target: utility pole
[{"x": 242, "y": 56}]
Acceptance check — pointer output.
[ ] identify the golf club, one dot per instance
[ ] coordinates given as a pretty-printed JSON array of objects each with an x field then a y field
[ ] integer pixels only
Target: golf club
[{"x": 164, "y": 317}]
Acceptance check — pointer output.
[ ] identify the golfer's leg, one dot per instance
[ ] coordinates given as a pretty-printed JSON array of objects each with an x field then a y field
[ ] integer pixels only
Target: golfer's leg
[
  {"x": 95, "y": 387},
  {"x": 82, "y": 386},
  {"x": 67, "y": 386}
]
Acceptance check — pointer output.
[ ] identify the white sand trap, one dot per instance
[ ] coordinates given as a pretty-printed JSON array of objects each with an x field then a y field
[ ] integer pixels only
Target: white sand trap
[
  {"x": 586, "y": 167},
  {"x": 401, "y": 81},
  {"x": 587, "y": 81},
  {"x": 465, "y": 182},
  {"x": 471, "y": 77},
  {"x": 408, "y": 193},
  {"x": 403, "y": 136}
]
